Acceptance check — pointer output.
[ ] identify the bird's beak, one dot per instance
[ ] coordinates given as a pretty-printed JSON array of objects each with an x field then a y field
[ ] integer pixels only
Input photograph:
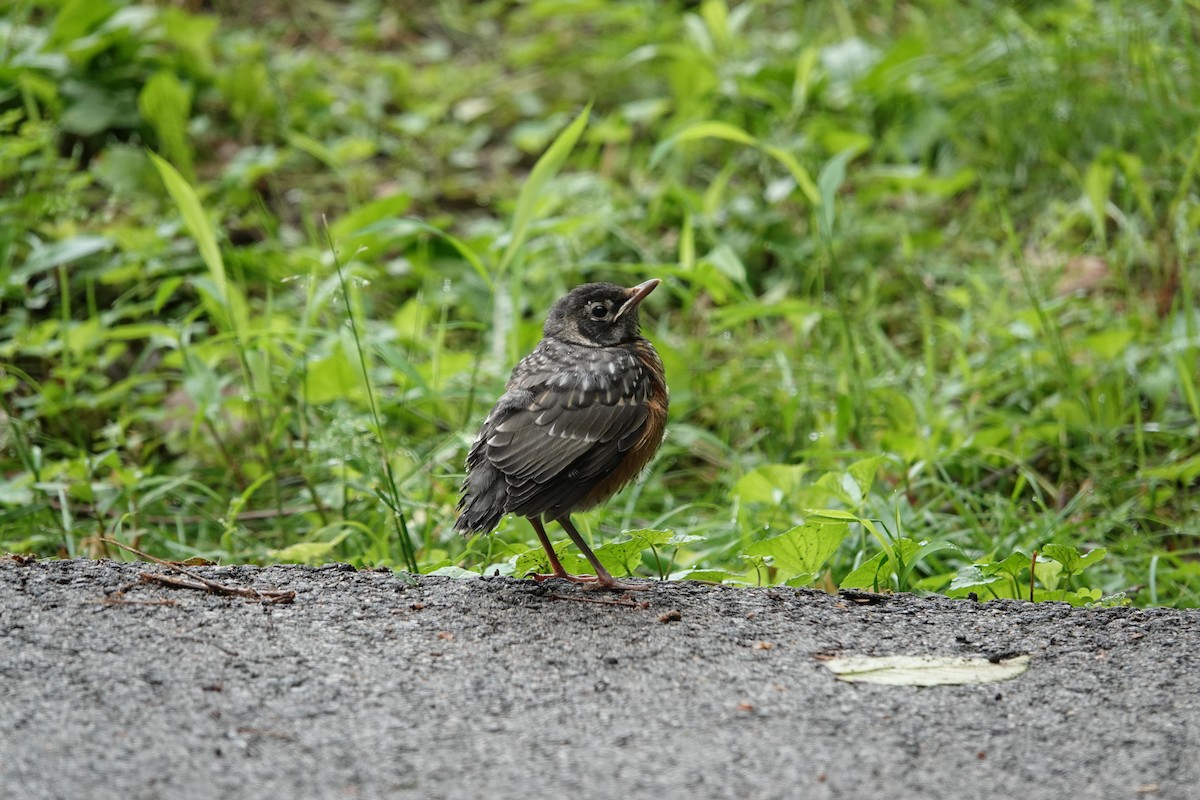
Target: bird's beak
[{"x": 636, "y": 295}]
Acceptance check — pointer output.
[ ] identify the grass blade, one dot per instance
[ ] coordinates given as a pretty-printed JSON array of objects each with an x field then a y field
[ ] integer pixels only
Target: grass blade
[
  {"x": 545, "y": 170},
  {"x": 196, "y": 221}
]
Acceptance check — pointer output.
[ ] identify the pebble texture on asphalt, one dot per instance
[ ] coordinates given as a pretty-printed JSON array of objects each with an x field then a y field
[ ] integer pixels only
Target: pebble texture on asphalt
[{"x": 371, "y": 685}]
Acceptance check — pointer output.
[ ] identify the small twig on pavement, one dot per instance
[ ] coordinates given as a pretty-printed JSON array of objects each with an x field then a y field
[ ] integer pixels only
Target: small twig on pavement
[{"x": 202, "y": 583}]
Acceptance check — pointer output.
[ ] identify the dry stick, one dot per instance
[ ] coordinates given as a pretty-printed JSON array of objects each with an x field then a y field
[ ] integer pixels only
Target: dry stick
[
  {"x": 121, "y": 601},
  {"x": 202, "y": 583}
]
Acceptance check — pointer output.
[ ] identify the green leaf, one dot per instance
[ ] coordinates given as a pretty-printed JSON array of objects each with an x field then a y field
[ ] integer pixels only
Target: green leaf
[
  {"x": 543, "y": 172},
  {"x": 1097, "y": 185},
  {"x": 1184, "y": 471},
  {"x": 802, "y": 552},
  {"x": 863, "y": 472},
  {"x": 711, "y": 129},
  {"x": 772, "y": 483},
  {"x": 925, "y": 670},
  {"x": 1110, "y": 344},
  {"x": 708, "y": 575},
  {"x": 1013, "y": 566},
  {"x": 167, "y": 105},
  {"x": 68, "y": 251},
  {"x": 799, "y": 174},
  {"x": 77, "y": 18},
  {"x": 831, "y": 515},
  {"x": 1133, "y": 169},
  {"x": 534, "y": 560},
  {"x": 972, "y": 577},
  {"x": 624, "y": 556},
  {"x": 714, "y": 129},
  {"x": 232, "y": 306},
  {"x": 335, "y": 377},
  {"x": 384, "y": 209},
  {"x": 842, "y": 486},
  {"x": 880, "y": 571},
  {"x": 833, "y": 174},
  {"x": 308, "y": 552},
  {"x": 1072, "y": 562},
  {"x": 317, "y": 150}
]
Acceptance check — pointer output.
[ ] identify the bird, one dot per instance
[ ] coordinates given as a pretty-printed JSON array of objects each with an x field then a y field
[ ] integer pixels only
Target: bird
[{"x": 579, "y": 418}]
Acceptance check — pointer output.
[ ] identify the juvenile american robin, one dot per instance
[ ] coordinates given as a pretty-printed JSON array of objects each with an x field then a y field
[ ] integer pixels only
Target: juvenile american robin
[{"x": 580, "y": 417}]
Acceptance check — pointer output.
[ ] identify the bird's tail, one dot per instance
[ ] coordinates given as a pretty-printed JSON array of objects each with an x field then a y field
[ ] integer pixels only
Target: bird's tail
[{"x": 483, "y": 501}]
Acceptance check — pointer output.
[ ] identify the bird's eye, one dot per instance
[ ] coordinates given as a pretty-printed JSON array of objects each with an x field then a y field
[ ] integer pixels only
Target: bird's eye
[{"x": 599, "y": 311}]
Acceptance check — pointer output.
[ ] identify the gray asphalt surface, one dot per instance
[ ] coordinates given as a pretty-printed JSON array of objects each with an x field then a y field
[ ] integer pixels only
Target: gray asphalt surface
[{"x": 369, "y": 687}]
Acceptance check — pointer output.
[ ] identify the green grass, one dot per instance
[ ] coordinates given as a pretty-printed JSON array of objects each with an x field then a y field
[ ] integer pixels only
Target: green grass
[{"x": 930, "y": 301}]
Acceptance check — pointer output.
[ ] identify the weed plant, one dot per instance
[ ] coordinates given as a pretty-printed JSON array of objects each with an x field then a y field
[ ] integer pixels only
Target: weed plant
[{"x": 930, "y": 319}]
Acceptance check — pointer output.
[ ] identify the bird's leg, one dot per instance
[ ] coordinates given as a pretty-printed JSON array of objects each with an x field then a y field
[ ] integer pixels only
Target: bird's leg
[
  {"x": 603, "y": 578},
  {"x": 555, "y": 565}
]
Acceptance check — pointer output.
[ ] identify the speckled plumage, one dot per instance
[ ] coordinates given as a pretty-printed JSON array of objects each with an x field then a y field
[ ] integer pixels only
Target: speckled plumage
[{"x": 580, "y": 416}]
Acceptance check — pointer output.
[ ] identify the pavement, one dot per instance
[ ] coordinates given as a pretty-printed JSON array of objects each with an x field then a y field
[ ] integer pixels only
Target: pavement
[{"x": 371, "y": 684}]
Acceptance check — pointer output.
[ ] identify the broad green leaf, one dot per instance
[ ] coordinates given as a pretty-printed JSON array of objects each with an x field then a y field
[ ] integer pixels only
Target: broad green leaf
[
  {"x": 1047, "y": 573},
  {"x": 620, "y": 558},
  {"x": 701, "y": 574},
  {"x": 877, "y": 572},
  {"x": 863, "y": 472},
  {"x": 1109, "y": 344},
  {"x": 1072, "y": 562},
  {"x": 624, "y": 556},
  {"x": 802, "y": 552},
  {"x": 308, "y": 552},
  {"x": 925, "y": 670},
  {"x": 534, "y": 560},
  {"x": 77, "y": 18},
  {"x": 1013, "y": 565},
  {"x": 972, "y": 577},
  {"x": 334, "y": 377},
  {"x": 842, "y": 486},
  {"x": 543, "y": 172},
  {"x": 653, "y": 537},
  {"x": 771, "y": 483}
]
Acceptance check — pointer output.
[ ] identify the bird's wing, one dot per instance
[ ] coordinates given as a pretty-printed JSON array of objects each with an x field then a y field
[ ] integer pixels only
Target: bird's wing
[
  {"x": 554, "y": 434},
  {"x": 536, "y": 435}
]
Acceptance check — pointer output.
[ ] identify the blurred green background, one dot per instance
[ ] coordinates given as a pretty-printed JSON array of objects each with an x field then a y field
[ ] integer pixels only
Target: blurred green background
[{"x": 930, "y": 296}]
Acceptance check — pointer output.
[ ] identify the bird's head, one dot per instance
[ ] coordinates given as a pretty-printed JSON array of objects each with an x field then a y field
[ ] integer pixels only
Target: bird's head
[{"x": 598, "y": 314}]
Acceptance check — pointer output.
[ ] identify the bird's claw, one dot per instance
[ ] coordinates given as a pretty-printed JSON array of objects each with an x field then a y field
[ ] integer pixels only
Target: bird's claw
[{"x": 591, "y": 581}]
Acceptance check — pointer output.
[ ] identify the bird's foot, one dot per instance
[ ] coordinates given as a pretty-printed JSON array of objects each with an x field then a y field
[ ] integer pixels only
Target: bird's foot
[
  {"x": 592, "y": 581},
  {"x": 566, "y": 576}
]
